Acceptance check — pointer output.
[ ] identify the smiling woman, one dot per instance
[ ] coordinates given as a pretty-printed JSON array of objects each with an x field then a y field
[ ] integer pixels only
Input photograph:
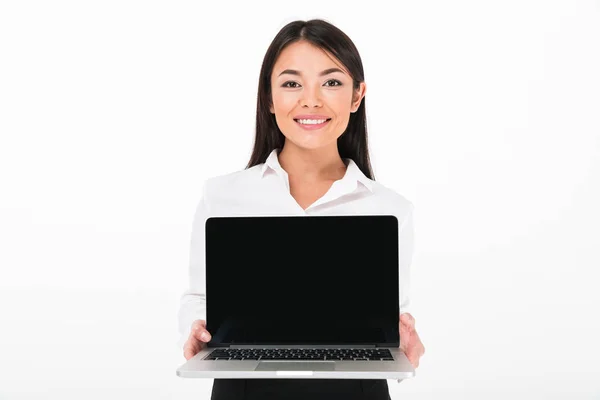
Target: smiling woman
[
  {"x": 310, "y": 157},
  {"x": 307, "y": 77},
  {"x": 312, "y": 71}
]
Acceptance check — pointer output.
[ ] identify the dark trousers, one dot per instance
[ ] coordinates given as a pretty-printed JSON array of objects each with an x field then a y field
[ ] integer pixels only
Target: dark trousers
[{"x": 300, "y": 389}]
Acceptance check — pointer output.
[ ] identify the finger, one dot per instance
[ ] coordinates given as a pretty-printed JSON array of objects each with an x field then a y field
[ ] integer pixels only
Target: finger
[
  {"x": 404, "y": 319},
  {"x": 405, "y": 339},
  {"x": 199, "y": 331},
  {"x": 415, "y": 361},
  {"x": 413, "y": 357},
  {"x": 202, "y": 335},
  {"x": 404, "y": 324},
  {"x": 418, "y": 344},
  {"x": 199, "y": 324},
  {"x": 190, "y": 349},
  {"x": 415, "y": 339},
  {"x": 415, "y": 350},
  {"x": 407, "y": 326},
  {"x": 192, "y": 346},
  {"x": 408, "y": 319},
  {"x": 404, "y": 330},
  {"x": 188, "y": 353},
  {"x": 412, "y": 347}
]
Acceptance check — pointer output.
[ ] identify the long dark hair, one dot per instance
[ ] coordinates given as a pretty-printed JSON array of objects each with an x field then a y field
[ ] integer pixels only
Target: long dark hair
[{"x": 353, "y": 142}]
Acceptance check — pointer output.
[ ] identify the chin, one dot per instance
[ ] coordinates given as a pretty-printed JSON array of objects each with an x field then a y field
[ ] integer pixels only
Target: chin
[{"x": 309, "y": 145}]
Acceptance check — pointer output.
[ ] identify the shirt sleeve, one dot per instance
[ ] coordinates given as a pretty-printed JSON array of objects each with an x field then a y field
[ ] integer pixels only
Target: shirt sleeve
[
  {"x": 406, "y": 238},
  {"x": 193, "y": 301}
]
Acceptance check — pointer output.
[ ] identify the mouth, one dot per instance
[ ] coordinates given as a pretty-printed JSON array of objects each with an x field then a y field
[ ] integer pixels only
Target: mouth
[{"x": 310, "y": 125}]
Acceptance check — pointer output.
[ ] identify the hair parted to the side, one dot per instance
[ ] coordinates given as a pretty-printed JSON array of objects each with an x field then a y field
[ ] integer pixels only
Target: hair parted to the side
[{"x": 320, "y": 33}]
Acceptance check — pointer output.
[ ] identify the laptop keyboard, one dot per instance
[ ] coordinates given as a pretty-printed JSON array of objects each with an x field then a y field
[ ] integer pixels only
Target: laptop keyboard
[{"x": 302, "y": 354}]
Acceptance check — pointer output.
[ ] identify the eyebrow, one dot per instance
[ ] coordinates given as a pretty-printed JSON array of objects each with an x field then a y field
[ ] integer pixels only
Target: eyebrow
[{"x": 323, "y": 73}]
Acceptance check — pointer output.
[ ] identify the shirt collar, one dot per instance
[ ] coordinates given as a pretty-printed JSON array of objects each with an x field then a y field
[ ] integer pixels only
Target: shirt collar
[
  {"x": 271, "y": 162},
  {"x": 353, "y": 173}
]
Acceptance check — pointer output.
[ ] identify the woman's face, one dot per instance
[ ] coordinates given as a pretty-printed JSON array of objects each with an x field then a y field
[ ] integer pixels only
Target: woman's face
[{"x": 309, "y": 86}]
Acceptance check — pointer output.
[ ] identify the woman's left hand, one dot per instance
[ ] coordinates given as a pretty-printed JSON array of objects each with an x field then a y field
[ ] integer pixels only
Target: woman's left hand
[{"x": 410, "y": 343}]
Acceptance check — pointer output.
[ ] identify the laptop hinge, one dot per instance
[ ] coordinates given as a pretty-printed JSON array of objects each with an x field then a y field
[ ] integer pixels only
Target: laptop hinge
[{"x": 301, "y": 346}]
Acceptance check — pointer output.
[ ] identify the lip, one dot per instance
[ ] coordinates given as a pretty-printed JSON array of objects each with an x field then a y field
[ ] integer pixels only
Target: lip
[
  {"x": 311, "y": 116},
  {"x": 313, "y": 127}
]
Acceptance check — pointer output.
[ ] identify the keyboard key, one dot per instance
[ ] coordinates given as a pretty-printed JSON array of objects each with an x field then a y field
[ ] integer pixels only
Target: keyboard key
[{"x": 301, "y": 354}]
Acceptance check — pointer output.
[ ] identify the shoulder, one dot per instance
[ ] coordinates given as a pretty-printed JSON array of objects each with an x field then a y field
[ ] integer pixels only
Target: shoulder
[
  {"x": 390, "y": 201},
  {"x": 232, "y": 183}
]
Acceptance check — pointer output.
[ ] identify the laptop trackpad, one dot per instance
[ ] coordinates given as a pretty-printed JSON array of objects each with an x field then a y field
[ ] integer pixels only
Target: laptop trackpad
[{"x": 295, "y": 366}]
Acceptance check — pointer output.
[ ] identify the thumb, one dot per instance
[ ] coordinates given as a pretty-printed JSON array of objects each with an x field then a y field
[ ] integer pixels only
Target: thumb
[
  {"x": 408, "y": 320},
  {"x": 405, "y": 335}
]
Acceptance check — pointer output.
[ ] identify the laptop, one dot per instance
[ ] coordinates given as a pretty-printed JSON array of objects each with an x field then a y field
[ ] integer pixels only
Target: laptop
[{"x": 301, "y": 297}]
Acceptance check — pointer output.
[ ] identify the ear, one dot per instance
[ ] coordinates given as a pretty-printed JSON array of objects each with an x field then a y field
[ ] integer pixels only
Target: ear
[{"x": 358, "y": 95}]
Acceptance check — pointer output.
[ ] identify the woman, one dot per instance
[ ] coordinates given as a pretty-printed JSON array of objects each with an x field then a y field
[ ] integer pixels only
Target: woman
[{"x": 310, "y": 157}]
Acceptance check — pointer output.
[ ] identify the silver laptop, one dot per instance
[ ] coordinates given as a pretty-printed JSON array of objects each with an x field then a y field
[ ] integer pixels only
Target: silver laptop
[{"x": 302, "y": 297}]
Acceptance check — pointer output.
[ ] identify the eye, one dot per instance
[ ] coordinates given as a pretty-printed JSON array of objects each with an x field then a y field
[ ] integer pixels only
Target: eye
[
  {"x": 286, "y": 85},
  {"x": 329, "y": 83}
]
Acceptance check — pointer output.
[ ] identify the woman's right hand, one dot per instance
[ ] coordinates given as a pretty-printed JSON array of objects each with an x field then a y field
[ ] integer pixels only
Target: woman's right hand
[{"x": 197, "y": 340}]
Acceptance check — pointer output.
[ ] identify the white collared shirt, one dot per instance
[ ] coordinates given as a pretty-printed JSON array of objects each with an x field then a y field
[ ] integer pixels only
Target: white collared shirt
[{"x": 264, "y": 190}]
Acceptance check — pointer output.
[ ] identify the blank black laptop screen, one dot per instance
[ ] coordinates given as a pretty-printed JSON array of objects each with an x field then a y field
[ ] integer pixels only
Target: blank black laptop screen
[{"x": 297, "y": 280}]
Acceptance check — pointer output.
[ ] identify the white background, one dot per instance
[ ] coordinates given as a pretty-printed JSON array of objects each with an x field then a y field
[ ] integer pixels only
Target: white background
[{"x": 484, "y": 114}]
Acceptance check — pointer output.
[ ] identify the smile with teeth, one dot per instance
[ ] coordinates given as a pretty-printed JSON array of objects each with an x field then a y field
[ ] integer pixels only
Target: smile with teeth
[{"x": 311, "y": 121}]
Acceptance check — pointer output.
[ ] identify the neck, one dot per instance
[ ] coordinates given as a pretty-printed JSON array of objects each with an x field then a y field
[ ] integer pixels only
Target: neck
[{"x": 312, "y": 164}]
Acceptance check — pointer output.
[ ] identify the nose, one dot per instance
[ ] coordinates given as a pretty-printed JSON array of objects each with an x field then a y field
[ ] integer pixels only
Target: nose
[{"x": 310, "y": 97}]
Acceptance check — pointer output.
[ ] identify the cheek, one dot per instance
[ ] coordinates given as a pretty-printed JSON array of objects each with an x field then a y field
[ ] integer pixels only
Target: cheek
[
  {"x": 339, "y": 102},
  {"x": 340, "y": 106},
  {"x": 284, "y": 102}
]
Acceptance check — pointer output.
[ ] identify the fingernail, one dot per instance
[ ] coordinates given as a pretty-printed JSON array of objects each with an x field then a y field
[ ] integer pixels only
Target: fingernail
[{"x": 204, "y": 336}]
